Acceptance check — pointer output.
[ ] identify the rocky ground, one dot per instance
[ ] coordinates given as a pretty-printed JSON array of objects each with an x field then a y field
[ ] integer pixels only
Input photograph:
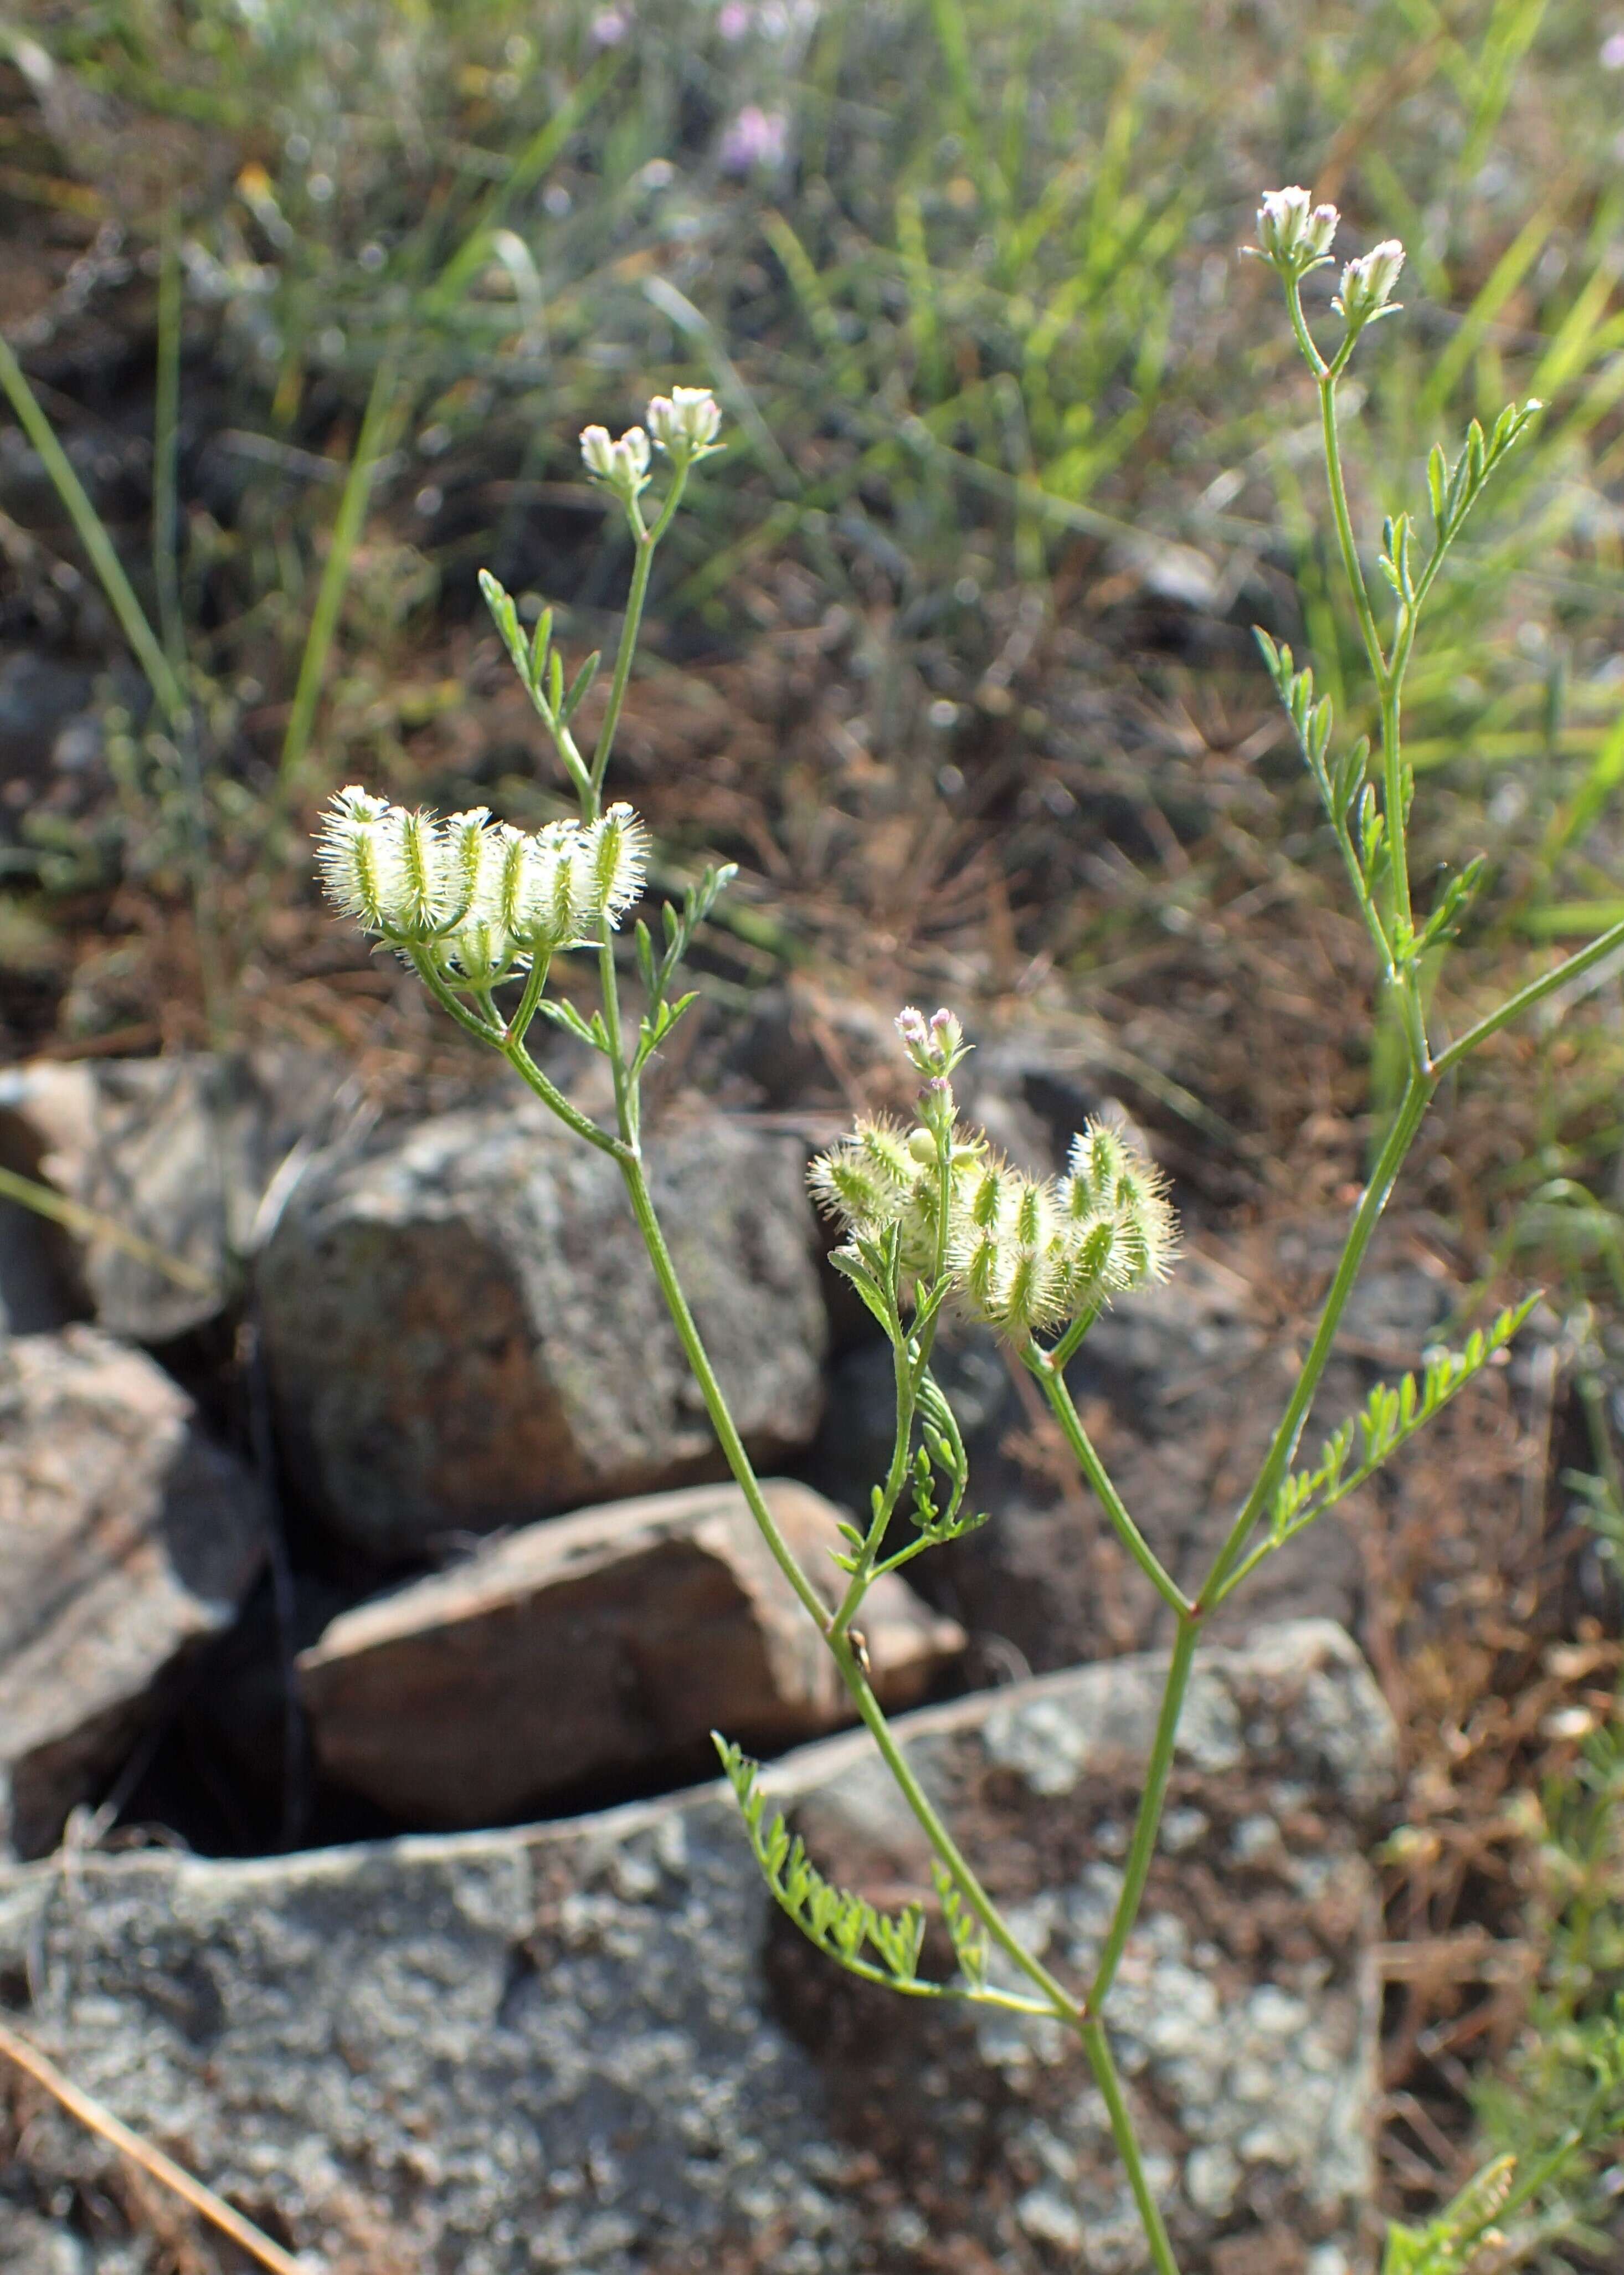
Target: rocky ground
[{"x": 361, "y": 1494}]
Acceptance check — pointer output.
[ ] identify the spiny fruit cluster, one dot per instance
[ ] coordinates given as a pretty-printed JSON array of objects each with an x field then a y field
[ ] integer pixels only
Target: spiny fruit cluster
[
  {"x": 1022, "y": 1256},
  {"x": 483, "y": 898}
]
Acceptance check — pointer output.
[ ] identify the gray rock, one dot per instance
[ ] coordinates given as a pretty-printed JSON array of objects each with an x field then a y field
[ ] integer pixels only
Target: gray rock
[
  {"x": 176, "y": 1152},
  {"x": 598, "y": 1645},
  {"x": 37, "y": 1289},
  {"x": 464, "y": 1331},
  {"x": 595, "y": 2045},
  {"x": 125, "y": 1541}
]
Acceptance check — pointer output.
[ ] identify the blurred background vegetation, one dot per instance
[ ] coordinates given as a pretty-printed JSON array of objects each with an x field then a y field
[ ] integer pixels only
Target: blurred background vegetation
[{"x": 305, "y": 308}]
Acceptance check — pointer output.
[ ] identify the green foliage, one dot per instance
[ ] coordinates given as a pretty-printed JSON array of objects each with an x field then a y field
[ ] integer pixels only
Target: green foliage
[
  {"x": 1391, "y": 1416},
  {"x": 968, "y": 1935},
  {"x": 1450, "y": 2244},
  {"x": 1345, "y": 788},
  {"x": 1558, "y": 2108},
  {"x": 679, "y": 925},
  {"x": 840, "y": 1925}
]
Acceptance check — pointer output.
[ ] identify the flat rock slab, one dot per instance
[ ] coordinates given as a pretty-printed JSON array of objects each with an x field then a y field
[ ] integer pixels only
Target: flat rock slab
[
  {"x": 125, "y": 1539},
  {"x": 596, "y": 2046},
  {"x": 464, "y": 1333},
  {"x": 599, "y": 1645}
]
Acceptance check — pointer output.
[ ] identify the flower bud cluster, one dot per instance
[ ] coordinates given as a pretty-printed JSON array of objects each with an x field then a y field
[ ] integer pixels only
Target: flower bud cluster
[
  {"x": 935, "y": 1045},
  {"x": 684, "y": 424},
  {"x": 1022, "y": 1256},
  {"x": 1293, "y": 234},
  {"x": 621, "y": 465},
  {"x": 486, "y": 897},
  {"x": 1368, "y": 283}
]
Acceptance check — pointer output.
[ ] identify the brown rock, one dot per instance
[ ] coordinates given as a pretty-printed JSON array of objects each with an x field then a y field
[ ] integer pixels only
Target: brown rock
[
  {"x": 125, "y": 1539},
  {"x": 595, "y": 1645}
]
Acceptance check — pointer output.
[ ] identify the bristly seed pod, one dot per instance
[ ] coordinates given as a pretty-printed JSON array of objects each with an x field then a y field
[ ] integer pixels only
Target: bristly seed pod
[
  {"x": 1022, "y": 1256},
  {"x": 486, "y": 899}
]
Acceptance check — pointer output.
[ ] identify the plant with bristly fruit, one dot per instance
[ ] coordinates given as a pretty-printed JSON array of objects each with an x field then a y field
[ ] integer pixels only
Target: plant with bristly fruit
[{"x": 934, "y": 1223}]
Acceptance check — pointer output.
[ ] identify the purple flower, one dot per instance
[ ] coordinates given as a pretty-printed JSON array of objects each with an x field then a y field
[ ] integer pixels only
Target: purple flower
[
  {"x": 611, "y": 26},
  {"x": 1612, "y": 53},
  {"x": 755, "y": 138},
  {"x": 733, "y": 20}
]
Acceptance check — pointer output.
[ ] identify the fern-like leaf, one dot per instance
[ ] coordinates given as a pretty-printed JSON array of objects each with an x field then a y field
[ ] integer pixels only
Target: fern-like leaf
[
  {"x": 968, "y": 1935},
  {"x": 1450, "y": 2244},
  {"x": 879, "y": 1946},
  {"x": 843, "y": 1925},
  {"x": 1390, "y": 1417}
]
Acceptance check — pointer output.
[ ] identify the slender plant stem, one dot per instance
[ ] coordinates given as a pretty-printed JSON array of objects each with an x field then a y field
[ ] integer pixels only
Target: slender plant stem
[
  {"x": 646, "y": 541},
  {"x": 716, "y": 1402},
  {"x": 518, "y": 1025},
  {"x": 1142, "y": 1847},
  {"x": 1400, "y": 1135},
  {"x": 843, "y": 1647},
  {"x": 1066, "y": 2008},
  {"x": 1605, "y": 944},
  {"x": 548, "y": 1091},
  {"x": 1097, "y": 2047},
  {"x": 1326, "y": 376},
  {"x": 895, "y": 1479},
  {"x": 1094, "y": 1470},
  {"x": 90, "y": 1224}
]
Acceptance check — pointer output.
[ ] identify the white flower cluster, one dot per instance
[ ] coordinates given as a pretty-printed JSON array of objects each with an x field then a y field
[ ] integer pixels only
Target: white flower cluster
[
  {"x": 1295, "y": 235},
  {"x": 1293, "y": 232},
  {"x": 1368, "y": 283},
  {"x": 1022, "y": 1256},
  {"x": 684, "y": 424},
  {"x": 485, "y": 897}
]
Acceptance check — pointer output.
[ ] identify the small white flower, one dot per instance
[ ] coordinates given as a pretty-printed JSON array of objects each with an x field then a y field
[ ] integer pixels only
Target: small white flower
[
  {"x": 1293, "y": 232},
  {"x": 936, "y": 1045},
  {"x": 622, "y": 465},
  {"x": 685, "y": 423},
  {"x": 1368, "y": 283}
]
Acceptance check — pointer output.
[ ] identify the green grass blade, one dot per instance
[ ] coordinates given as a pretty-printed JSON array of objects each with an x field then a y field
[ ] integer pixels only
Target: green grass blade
[{"x": 93, "y": 535}]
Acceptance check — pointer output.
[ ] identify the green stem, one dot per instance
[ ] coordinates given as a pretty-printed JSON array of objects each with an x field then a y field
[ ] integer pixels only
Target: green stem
[
  {"x": 1398, "y": 826},
  {"x": 1416, "y": 1098},
  {"x": 1093, "y": 1469},
  {"x": 896, "y": 1477},
  {"x": 1326, "y": 376},
  {"x": 520, "y": 1059},
  {"x": 518, "y": 1025},
  {"x": 1066, "y": 2008},
  {"x": 844, "y": 1650},
  {"x": 93, "y": 536},
  {"x": 1603, "y": 945},
  {"x": 1142, "y": 1848},
  {"x": 1097, "y": 2047},
  {"x": 710, "y": 1389},
  {"x": 645, "y": 541}
]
